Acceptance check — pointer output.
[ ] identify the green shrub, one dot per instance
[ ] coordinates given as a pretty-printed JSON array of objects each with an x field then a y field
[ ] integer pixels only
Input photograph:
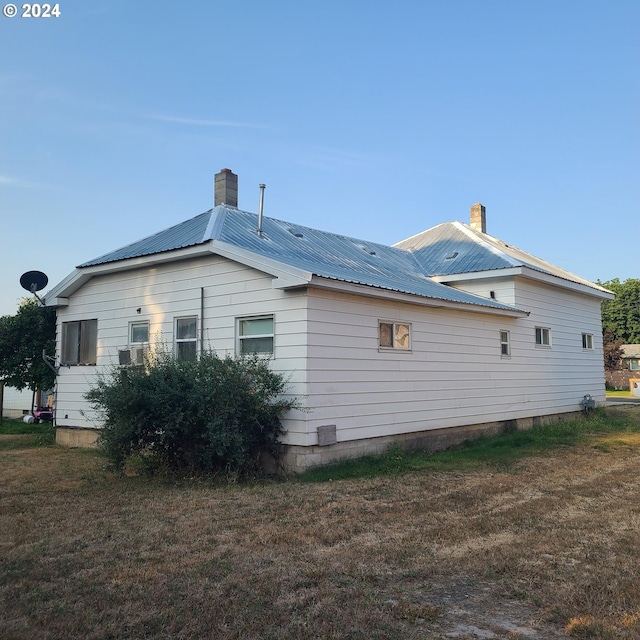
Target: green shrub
[{"x": 201, "y": 417}]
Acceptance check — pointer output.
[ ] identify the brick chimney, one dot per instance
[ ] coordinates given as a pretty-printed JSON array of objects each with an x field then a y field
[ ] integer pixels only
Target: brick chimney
[
  {"x": 478, "y": 218},
  {"x": 225, "y": 188}
]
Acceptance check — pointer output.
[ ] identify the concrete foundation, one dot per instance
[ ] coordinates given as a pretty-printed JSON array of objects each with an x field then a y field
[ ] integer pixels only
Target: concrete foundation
[
  {"x": 297, "y": 459},
  {"x": 77, "y": 437}
]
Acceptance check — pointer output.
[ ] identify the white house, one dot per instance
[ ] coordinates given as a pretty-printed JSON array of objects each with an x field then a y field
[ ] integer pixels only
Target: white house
[{"x": 429, "y": 341}]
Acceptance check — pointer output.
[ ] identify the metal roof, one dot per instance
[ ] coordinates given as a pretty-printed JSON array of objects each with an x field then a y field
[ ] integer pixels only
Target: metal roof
[
  {"x": 454, "y": 248},
  {"x": 338, "y": 257},
  {"x": 186, "y": 234},
  {"x": 406, "y": 267}
]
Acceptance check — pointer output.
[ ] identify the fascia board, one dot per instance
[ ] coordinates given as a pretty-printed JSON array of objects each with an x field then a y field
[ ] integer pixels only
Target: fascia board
[
  {"x": 285, "y": 276},
  {"x": 478, "y": 275},
  {"x": 531, "y": 274},
  {"x": 594, "y": 290},
  {"x": 395, "y": 296}
]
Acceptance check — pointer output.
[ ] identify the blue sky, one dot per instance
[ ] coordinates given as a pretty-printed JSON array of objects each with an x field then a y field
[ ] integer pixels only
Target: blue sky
[{"x": 366, "y": 118}]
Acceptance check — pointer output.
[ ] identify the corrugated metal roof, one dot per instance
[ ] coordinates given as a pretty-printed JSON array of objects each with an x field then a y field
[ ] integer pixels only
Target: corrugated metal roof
[
  {"x": 448, "y": 249},
  {"x": 339, "y": 257},
  {"x": 324, "y": 254},
  {"x": 186, "y": 234},
  {"x": 455, "y": 248},
  {"x": 406, "y": 267}
]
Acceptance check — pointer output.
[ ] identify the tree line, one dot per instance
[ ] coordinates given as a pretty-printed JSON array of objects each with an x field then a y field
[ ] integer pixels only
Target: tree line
[{"x": 620, "y": 319}]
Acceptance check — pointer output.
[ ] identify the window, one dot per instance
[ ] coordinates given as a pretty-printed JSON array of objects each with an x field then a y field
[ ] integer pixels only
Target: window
[
  {"x": 394, "y": 335},
  {"x": 505, "y": 346},
  {"x": 634, "y": 364},
  {"x": 79, "y": 342},
  {"x": 587, "y": 341},
  {"x": 138, "y": 332},
  {"x": 255, "y": 335},
  {"x": 543, "y": 337},
  {"x": 186, "y": 338}
]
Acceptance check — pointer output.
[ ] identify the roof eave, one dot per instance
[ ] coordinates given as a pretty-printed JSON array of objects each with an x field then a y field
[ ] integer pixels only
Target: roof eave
[
  {"x": 532, "y": 274},
  {"x": 284, "y": 275},
  {"x": 397, "y": 296}
]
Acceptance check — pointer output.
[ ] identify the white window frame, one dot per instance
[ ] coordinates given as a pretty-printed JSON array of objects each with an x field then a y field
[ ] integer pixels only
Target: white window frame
[
  {"x": 395, "y": 345},
  {"x": 177, "y": 341},
  {"x": 240, "y": 338},
  {"x": 544, "y": 332},
  {"x": 505, "y": 343},
  {"x": 634, "y": 364},
  {"x": 131, "y": 325},
  {"x": 587, "y": 341}
]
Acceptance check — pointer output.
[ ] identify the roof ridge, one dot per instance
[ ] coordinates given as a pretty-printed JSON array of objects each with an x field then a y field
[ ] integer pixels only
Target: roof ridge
[{"x": 477, "y": 237}]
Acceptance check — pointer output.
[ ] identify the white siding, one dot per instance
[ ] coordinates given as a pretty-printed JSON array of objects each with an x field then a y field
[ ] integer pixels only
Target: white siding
[
  {"x": 327, "y": 344},
  {"x": 16, "y": 403},
  {"x": 454, "y": 374},
  {"x": 174, "y": 290}
]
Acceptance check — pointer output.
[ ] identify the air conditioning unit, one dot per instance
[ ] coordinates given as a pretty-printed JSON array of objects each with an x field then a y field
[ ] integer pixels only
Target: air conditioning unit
[
  {"x": 137, "y": 355},
  {"x": 132, "y": 355}
]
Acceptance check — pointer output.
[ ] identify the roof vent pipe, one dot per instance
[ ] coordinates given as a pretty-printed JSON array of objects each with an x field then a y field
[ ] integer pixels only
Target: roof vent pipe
[{"x": 260, "y": 208}]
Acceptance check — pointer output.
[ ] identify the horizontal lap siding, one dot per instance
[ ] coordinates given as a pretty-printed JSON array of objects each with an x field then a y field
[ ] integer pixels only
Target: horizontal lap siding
[
  {"x": 173, "y": 290},
  {"x": 565, "y": 371},
  {"x": 454, "y": 374}
]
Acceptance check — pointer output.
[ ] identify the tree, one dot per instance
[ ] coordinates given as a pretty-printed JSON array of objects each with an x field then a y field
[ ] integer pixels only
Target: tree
[
  {"x": 23, "y": 337},
  {"x": 612, "y": 349},
  {"x": 622, "y": 315}
]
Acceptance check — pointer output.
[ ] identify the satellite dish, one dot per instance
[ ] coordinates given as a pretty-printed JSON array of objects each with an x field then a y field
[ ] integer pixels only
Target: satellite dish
[{"x": 33, "y": 281}]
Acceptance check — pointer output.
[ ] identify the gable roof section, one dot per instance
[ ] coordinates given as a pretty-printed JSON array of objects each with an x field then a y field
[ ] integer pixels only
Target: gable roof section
[
  {"x": 320, "y": 253},
  {"x": 454, "y": 248}
]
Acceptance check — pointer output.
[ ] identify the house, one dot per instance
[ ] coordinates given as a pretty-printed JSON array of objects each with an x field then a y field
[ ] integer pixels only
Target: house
[
  {"x": 629, "y": 368},
  {"x": 441, "y": 336},
  {"x": 15, "y": 404}
]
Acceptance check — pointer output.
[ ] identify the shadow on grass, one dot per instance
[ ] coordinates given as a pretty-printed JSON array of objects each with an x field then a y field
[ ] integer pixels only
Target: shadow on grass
[{"x": 499, "y": 452}]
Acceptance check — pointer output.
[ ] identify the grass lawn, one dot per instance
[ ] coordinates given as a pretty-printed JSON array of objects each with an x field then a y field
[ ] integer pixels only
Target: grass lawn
[
  {"x": 528, "y": 535},
  {"x": 625, "y": 393}
]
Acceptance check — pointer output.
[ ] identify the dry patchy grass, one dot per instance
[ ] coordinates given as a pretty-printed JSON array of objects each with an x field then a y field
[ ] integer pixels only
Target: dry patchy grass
[{"x": 545, "y": 549}]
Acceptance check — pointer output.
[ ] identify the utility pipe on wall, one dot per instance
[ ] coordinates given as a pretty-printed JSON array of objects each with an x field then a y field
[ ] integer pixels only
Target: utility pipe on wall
[{"x": 260, "y": 208}]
